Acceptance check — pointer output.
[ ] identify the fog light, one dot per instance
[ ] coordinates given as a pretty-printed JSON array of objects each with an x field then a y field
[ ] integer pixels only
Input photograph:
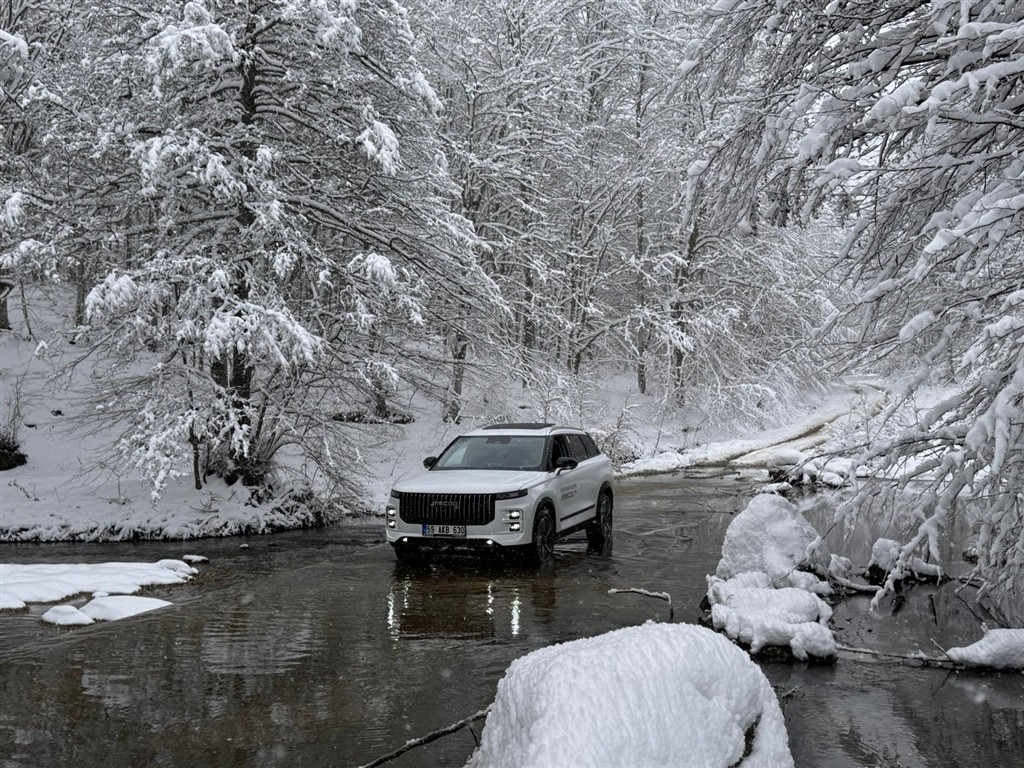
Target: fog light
[
  {"x": 515, "y": 514},
  {"x": 490, "y": 543},
  {"x": 392, "y": 512},
  {"x": 514, "y": 526},
  {"x": 392, "y": 524}
]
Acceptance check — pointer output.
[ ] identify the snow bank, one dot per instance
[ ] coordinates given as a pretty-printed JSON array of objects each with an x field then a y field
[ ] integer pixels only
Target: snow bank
[
  {"x": 654, "y": 695},
  {"x": 758, "y": 597},
  {"x": 21, "y": 584},
  {"x": 999, "y": 648}
]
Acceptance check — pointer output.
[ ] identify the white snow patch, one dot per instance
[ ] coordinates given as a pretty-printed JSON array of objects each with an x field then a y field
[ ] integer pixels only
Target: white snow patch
[
  {"x": 999, "y": 648},
  {"x": 46, "y": 583},
  {"x": 66, "y": 616},
  {"x": 653, "y": 695},
  {"x": 120, "y": 607}
]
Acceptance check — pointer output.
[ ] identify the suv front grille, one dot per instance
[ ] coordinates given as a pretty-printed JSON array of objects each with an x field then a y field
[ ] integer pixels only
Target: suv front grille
[{"x": 447, "y": 508}]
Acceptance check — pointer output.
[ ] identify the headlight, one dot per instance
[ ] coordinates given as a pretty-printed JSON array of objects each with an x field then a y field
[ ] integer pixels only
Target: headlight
[
  {"x": 515, "y": 514},
  {"x": 514, "y": 527},
  {"x": 510, "y": 495},
  {"x": 392, "y": 512}
]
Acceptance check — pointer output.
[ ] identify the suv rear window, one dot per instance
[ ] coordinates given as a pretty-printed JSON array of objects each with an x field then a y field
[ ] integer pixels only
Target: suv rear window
[
  {"x": 578, "y": 448},
  {"x": 591, "y": 446}
]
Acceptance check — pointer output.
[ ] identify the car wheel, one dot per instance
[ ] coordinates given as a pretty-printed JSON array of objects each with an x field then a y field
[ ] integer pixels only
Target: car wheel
[
  {"x": 599, "y": 531},
  {"x": 411, "y": 554},
  {"x": 542, "y": 548}
]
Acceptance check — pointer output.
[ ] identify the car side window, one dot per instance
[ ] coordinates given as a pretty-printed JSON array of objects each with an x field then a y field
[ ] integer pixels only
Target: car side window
[
  {"x": 577, "y": 449},
  {"x": 592, "y": 449},
  {"x": 559, "y": 449}
]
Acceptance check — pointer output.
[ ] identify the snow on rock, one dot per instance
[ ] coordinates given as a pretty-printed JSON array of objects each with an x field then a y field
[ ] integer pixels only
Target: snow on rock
[
  {"x": 750, "y": 611},
  {"x": 885, "y": 556},
  {"x": 66, "y": 616},
  {"x": 653, "y": 695},
  {"x": 758, "y": 596},
  {"x": 771, "y": 536},
  {"x": 22, "y": 584},
  {"x": 117, "y": 607},
  {"x": 999, "y": 648}
]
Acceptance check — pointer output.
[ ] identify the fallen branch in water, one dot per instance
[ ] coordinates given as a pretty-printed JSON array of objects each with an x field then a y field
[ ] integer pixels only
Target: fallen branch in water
[
  {"x": 919, "y": 658},
  {"x": 660, "y": 595},
  {"x": 433, "y": 736}
]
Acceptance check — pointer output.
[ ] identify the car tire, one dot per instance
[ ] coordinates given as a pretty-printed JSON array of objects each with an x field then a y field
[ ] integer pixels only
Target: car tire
[
  {"x": 599, "y": 531},
  {"x": 411, "y": 554},
  {"x": 541, "y": 549}
]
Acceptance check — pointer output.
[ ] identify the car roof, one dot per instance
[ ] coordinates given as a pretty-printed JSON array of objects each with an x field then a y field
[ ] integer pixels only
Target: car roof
[{"x": 525, "y": 428}]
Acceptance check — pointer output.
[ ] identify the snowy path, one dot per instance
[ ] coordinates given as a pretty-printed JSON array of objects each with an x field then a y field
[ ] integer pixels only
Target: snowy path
[{"x": 855, "y": 401}]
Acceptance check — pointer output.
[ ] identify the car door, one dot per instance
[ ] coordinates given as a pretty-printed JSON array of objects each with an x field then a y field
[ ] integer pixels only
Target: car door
[
  {"x": 586, "y": 476},
  {"x": 564, "y": 484}
]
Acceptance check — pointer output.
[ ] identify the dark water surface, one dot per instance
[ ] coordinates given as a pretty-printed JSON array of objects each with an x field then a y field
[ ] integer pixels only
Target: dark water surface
[{"x": 315, "y": 648}]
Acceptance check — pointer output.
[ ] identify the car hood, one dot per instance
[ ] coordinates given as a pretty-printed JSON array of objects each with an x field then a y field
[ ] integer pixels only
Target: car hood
[{"x": 468, "y": 481}]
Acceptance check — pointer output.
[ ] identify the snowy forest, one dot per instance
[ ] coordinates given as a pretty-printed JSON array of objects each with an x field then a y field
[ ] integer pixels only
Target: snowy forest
[{"x": 264, "y": 215}]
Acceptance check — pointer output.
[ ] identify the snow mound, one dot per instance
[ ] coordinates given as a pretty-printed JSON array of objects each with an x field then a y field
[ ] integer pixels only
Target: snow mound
[
  {"x": 758, "y": 597},
  {"x": 772, "y": 537},
  {"x": 999, "y": 648},
  {"x": 759, "y": 616},
  {"x": 653, "y": 695}
]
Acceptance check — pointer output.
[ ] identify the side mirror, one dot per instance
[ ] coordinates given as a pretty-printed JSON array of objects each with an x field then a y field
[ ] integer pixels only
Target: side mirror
[
  {"x": 430, "y": 461},
  {"x": 566, "y": 462}
]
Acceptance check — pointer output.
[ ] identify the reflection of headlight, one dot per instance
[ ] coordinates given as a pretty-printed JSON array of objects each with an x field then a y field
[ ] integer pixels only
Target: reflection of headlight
[{"x": 510, "y": 495}]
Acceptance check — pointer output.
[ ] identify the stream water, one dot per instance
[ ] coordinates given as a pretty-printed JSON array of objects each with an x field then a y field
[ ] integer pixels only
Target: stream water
[{"x": 315, "y": 648}]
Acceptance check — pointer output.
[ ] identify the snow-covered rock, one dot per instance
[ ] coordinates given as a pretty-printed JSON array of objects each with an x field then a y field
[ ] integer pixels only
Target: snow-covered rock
[
  {"x": 999, "y": 648},
  {"x": 771, "y": 536},
  {"x": 647, "y": 696},
  {"x": 758, "y": 596},
  {"x": 752, "y": 612},
  {"x": 885, "y": 556}
]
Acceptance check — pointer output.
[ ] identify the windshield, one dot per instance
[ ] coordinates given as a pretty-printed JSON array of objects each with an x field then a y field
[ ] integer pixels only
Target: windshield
[{"x": 514, "y": 452}]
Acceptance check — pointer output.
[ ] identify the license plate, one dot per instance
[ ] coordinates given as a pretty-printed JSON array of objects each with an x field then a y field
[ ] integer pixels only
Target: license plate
[{"x": 455, "y": 531}]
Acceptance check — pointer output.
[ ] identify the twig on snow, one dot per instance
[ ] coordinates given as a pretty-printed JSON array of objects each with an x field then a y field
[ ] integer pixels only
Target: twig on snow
[
  {"x": 433, "y": 736},
  {"x": 660, "y": 595}
]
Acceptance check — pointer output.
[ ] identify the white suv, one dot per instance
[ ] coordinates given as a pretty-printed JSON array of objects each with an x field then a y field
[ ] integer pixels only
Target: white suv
[{"x": 506, "y": 485}]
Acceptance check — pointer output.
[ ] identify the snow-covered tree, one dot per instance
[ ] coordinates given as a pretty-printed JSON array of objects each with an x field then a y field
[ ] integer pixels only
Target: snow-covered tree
[
  {"x": 906, "y": 118},
  {"x": 271, "y": 207}
]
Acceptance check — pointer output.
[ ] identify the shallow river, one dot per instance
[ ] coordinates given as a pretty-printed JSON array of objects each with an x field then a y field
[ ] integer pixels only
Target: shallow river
[{"x": 314, "y": 648}]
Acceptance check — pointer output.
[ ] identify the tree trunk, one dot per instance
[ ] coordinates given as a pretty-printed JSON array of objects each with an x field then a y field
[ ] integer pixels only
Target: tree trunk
[
  {"x": 453, "y": 411},
  {"x": 6, "y": 286}
]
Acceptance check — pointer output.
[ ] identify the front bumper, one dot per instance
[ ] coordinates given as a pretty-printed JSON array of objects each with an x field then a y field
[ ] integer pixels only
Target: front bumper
[{"x": 498, "y": 532}]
